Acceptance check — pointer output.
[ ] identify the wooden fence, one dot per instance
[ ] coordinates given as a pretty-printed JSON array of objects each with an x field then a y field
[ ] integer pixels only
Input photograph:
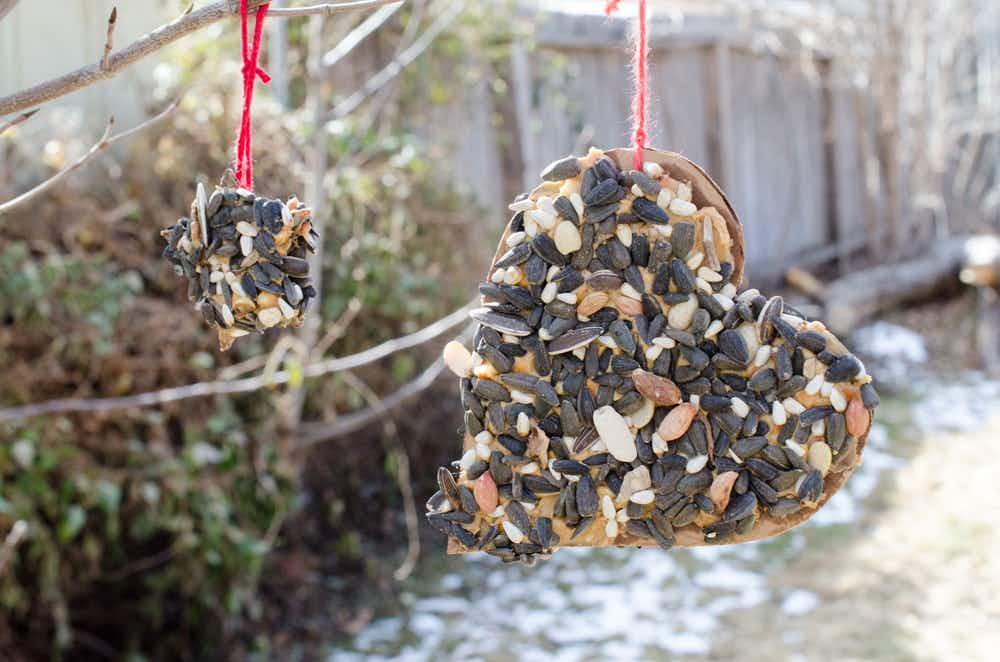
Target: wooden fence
[{"x": 775, "y": 129}]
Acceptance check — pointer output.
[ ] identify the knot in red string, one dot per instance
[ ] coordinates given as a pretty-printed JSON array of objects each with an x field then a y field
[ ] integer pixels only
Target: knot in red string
[
  {"x": 640, "y": 74},
  {"x": 251, "y": 72}
]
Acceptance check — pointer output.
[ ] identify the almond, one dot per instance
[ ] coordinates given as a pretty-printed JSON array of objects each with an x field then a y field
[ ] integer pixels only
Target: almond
[
  {"x": 592, "y": 303},
  {"x": 677, "y": 421},
  {"x": 485, "y": 491},
  {"x": 858, "y": 418},
  {"x": 721, "y": 488},
  {"x": 628, "y": 305},
  {"x": 660, "y": 390}
]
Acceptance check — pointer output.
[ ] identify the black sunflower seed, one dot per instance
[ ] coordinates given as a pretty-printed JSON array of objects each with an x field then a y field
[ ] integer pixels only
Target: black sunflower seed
[
  {"x": 843, "y": 369},
  {"x": 557, "y": 171}
]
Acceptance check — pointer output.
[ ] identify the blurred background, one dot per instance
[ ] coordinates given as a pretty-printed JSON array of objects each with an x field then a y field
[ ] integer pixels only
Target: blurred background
[{"x": 160, "y": 500}]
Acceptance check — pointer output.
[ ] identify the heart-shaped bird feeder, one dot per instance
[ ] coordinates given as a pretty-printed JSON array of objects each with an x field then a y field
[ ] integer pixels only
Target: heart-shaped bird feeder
[{"x": 622, "y": 390}]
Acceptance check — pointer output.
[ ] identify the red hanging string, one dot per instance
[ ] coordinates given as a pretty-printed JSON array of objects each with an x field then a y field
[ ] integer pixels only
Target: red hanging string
[
  {"x": 251, "y": 71},
  {"x": 640, "y": 68}
]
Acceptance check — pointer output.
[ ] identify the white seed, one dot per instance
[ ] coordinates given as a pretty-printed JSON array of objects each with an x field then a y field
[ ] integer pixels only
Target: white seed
[
  {"x": 611, "y": 528},
  {"x": 521, "y": 397},
  {"x": 530, "y": 468},
  {"x": 696, "y": 464},
  {"x": 682, "y": 207},
  {"x": 227, "y": 315},
  {"x": 521, "y": 205},
  {"x": 567, "y": 238},
  {"x": 549, "y": 292},
  {"x": 485, "y": 438},
  {"x": 568, "y": 297},
  {"x": 615, "y": 433},
  {"x": 665, "y": 230},
  {"x": 793, "y": 406},
  {"x": 498, "y": 512},
  {"x": 740, "y": 408},
  {"x": 728, "y": 290},
  {"x": 837, "y": 399},
  {"x": 512, "y": 276},
  {"x": 636, "y": 191},
  {"x": 746, "y": 296},
  {"x": 643, "y": 415},
  {"x": 468, "y": 459},
  {"x": 498, "y": 275},
  {"x": 703, "y": 285},
  {"x": 514, "y": 534},
  {"x": 545, "y": 334},
  {"x": 530, "y": 227},
  {"x": 523, "y": 424},
  {"x": 820, "y": 456},
  {"x": 545, "y": 203},
  {"x": 551, "y": 273},
  {"x": 608, "y": 342},
  {"x": 679, "y": 316},
  {"x": 544, "y": 219},
  {"x": 778, "y": 413},
  {"x": 796, "y": 446},
  {"x": 818, "y": 428},
  {"x": 269, "y": 317},
  {"x": 246, "y": 229},
  {"x": 664, "y": 198},
  {"x": 794, "y": 320},
  {"x": 246, "y": 245},
  {"x": 724, "y": 301},
  {"x": 652, "y": 169},
  {"x": 810, "y": 367},
  {"x": 580, "y": 352},
  {"x": 621, "y": 516},
  {"x": 286, "y": 308},
  {"x": 631, "y": 292},
  {"x": 684, "y": 192},
  {"x": 483, "y": 452},
  {"x": 516, "y": 238},
  {"x": 577, "y": 203},
  {"x": 665, "y": 343},
  {"x": 826, "y": 389},
  {"x": 529, "y": 506},
  {"x": 607, "y": 507},
  {"x": 653, "y": 351},
  {"x": 709, "y": 275},
  {"x": 694, "y": 260},
  {"x": 624, "y": 234},
  {"x": 714, "y": 329},
  {"x": 659, "y": 446},
  {"x": 643, "y": 497},
  {"x": 812, "y": 388},
  {"x": 762, "y": 355},
  {"x": 216, "y": 277}
]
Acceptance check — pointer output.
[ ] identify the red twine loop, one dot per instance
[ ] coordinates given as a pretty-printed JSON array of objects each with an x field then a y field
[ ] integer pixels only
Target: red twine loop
[
  {"x": 251, "y": 71},
  {"x": 640, "y": 73}
]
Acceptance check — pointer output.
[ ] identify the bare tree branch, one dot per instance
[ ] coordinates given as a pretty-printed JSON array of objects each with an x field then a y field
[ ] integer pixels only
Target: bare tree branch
[
  {"x": 329, "y": 8},
  {"x": 358, "y": 34},
  {"x": 248, "y": 384},
  {"x": 5, "y": 7},
  {"x": 109, "y": 42},
  {"x": 106, "y": 141},
  {"x": 185, "y": 24},
  {"x": 315, "y": 433},
  {"x": 396, "y": 66},
  {"x": 17, "y": 120},
  {"x": 10, "y": 543}
]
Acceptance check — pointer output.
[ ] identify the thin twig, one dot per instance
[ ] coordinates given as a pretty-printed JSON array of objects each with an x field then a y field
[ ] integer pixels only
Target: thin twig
[
  {"x": 109, "y": 42},
  {"x": 337, "y": 330},
  {"x": 315, "y": 433},
  {"x": 23, "y": 117},
  {"x": 246, "y": 385},
  {"x": 396, "y": 66},
  {"x": 329, "y": 8},
  {"x": 391, "y": 433},
  {"x": 358, "y": 34},
  {"x": 11, "y": 542},
  {"x": 106, "y": 141},
  {"x": 151, "y": 42}
]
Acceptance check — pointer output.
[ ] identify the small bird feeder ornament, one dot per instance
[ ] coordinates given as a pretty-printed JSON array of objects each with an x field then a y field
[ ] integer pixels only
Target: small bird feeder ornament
[
  {"x": 623, "y": 390},
  {"x": 244, "y": 255}
]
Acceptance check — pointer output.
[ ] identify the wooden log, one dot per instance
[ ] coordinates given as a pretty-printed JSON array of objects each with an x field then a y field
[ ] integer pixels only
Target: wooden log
[{"x": 856, "y": 297}]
